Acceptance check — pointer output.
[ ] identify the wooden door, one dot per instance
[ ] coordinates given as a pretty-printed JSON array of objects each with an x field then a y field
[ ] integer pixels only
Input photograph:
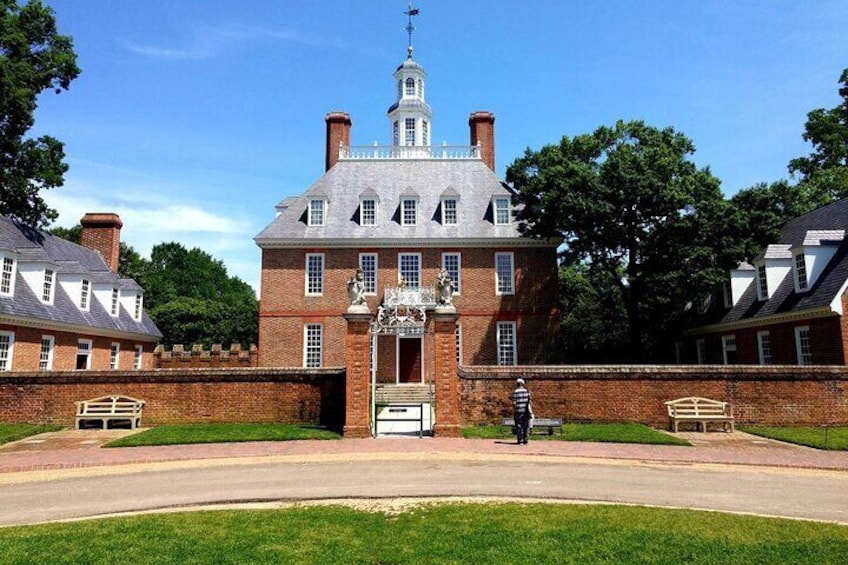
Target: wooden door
[{"x": 409, "y": 360}]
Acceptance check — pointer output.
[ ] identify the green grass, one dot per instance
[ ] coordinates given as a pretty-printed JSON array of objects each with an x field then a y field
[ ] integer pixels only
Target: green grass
[
  {"x": 433, "y": 534},
  {"x": 223, "y": 433},
  {"x": 14, "y": 432},
  {"x": 836, "y": 437},
  {"x": 619, "y": 432}
]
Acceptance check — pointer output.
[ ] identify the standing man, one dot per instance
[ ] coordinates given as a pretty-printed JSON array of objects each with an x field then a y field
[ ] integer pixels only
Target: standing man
[{"x": 521, "y": 410}]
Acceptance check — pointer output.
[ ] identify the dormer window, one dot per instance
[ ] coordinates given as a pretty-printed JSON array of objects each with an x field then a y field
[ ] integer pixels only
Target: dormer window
[
  {"x": 368, "y": 212},
  {"x": 85, "y": 293},
  {"x": 409, "y": 212},
  {"x": 762, "y": 283},
  {"x": 317, "y": 211},
  {"x": 449, "y": 212},
  {"x": 137, "y": 310},
  {"x": 410, "y": 87},
  {"x": 728, "y": 294},
  {"x": 7, "y": 277},
  {"x": 501, "y": 210},
  {"x": 116, "y": 295},
  {"x": 47, "y": 290},
  {"x": 800, "y": 273}
]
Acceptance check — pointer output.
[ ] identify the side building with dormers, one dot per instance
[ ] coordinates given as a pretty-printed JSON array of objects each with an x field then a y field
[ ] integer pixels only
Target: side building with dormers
[
  {"x": 63, "y": 306},
  {"x": 402, "y": 213}
]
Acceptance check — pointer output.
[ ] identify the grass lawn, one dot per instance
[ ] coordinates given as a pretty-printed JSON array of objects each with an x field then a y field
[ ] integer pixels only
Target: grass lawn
[
  {"x": 621, "y": 433},
  {"x": 432, "y": 534},
  {"x": 837, "y": 437},
  {"x": 222, "y": 433},
  {"x": 14, "y": 432}
]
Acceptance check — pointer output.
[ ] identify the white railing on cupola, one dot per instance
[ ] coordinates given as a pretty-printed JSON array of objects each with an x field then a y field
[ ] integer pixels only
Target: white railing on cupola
[{"x": 386, "y": 152}]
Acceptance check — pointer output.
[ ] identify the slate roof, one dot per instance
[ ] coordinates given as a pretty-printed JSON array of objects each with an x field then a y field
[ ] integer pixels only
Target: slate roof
[
  {"x": 827, "y": 225},
  {"x": 69, "y": 258},
  {"x": 428, "y": 179}
]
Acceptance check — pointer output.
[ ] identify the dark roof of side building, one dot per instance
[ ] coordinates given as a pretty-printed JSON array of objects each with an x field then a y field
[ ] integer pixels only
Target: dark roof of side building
[
  {"x": 429, "y": 180},
  {"x": 31, "y": 245},
  {"x": 830, "y": 218}
]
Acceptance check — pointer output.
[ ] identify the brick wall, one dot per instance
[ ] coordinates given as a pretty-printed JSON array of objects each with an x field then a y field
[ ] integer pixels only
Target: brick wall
[
  {"x": 178, "y": 357},
  {"x": 763, "y": 395},
  {"x": 27, "y": 350},
  {"x": 284, "y": 308},
  {"x": 182, "y": 396}
]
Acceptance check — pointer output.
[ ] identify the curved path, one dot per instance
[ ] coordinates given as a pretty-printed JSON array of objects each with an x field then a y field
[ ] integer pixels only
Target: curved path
[{"x": 769, "y": 480}]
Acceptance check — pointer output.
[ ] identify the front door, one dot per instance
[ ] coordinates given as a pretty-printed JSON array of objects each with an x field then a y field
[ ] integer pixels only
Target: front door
[{"x": 409, "y": 360}]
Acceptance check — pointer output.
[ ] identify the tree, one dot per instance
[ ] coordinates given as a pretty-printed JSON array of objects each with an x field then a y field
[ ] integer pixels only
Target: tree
[
  {"x": 192, "y": 299},
  {"x": 825, "y": 170},
  {"x": 33, "y": 58},
  {"x": 627, "y": 201}
]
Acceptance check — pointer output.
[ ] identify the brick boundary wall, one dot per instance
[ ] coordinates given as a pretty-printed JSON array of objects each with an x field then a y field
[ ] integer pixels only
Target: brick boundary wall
[
  {"x": 182, "y": 396},
  {"x": 196, "y": 357},
  {"x": 772, "y": 395}
]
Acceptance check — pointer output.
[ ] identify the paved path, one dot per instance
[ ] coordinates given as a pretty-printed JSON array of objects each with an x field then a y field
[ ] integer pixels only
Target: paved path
[{"x": 52, "y": 477}]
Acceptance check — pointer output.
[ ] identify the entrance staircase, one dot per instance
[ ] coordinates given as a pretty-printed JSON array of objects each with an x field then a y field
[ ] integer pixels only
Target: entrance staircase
[{"x": 404, "y": 394}]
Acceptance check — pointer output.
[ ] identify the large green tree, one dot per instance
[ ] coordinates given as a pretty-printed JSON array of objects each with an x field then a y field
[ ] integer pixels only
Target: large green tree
[
  {"x": 628, "y": 201},
  {"x": 825, "y": 170},
  {"x": 193, "y": 300},
  {"x": 34, "y": 57}
]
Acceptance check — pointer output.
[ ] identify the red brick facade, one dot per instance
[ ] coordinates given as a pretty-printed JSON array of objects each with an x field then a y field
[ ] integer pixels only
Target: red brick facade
[
  {"x": 26, "y": 350},
  {"x": 102, "y": 232},
  {"x": 182, "y": 396},
  {"x": 758, "y": 395},
  {"x": 285, "y": 308},
  {"x": 482, "y": 128}
]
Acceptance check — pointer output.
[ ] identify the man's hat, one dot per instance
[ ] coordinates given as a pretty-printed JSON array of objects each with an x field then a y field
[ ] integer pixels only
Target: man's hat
[{"x": 519, "y": 381}]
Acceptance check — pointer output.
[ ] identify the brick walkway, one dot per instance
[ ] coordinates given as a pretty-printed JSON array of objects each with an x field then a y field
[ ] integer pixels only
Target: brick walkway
[{"x": 76, "y": 449}]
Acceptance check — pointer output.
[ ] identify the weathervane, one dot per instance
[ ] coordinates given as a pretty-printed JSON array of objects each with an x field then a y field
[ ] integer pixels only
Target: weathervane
[{"x": 410, "y": 28}]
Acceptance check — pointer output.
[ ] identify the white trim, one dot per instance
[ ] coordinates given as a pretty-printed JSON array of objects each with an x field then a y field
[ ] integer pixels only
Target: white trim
[
  {"x": 376, "y": 257},
  {"x": 48, "y": 363},
  {"x": 320, "y": 327},
  {"x": 306, "y": 291},
  {"x": 511, "y": 290},
  {"x": 458, "y": 281},
  {"x": 760, "y": 349},
  {"x": 74, "y": 328},
  {"x": 88, "y": 358},
  {"x": 397, "y": 357},
  {"x": 798, "y": 349},
  {"x": 514, "y": 348},
  {"x": 114, "y": 355},
  {"x": 10, "y": 352},
  {"x": 726, "y": 346}
]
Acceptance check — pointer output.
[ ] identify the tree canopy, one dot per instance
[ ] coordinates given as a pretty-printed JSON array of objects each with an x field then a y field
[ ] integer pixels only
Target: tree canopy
[
  {"x": 34, "y": 57},
  {"x": 826, "y": 168},
  {"x": 633, "y": 208}
]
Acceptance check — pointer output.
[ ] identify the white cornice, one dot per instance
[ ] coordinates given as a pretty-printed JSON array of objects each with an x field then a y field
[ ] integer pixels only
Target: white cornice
[
  {"x": 74, "y": 328},
  {"x": 820, "y": 312},
  {"x": 348, "y": 243}
]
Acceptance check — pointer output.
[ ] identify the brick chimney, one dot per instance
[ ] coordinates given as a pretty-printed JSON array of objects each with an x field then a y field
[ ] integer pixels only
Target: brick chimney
[
  {"x": 482, "y": 125},
  {"x": 102, "y": 233},
  {"x": 338, "y": 133}
]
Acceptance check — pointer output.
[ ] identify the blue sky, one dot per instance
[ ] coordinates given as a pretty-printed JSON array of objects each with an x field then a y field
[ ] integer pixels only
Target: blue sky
[{"x": 193, "y": 118}]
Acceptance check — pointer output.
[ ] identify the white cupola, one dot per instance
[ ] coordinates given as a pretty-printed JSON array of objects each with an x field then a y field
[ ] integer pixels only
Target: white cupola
[{"x": 410, "y": 116}]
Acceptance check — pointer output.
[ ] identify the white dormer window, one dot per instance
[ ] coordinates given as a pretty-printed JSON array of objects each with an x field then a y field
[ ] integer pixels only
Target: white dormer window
[
  {"x": 47, "y": 290},
  {"x": 762, "y": 283},
  {"x": 501, "y": 210},
  {"x": 116, "y": 295},
  {"x": 137, "y": 310},
  {"x": 368, "y": 212},
  {"x": 800, "y": 273},
  {"x": 317, "y": 211},
  {"x": 410, "y": 87},
  {"x": 7, "y": 277},
  {"x": 409, "y": 212},
  {"x": 85, "y": 293},
  {"x": 449, "y": 212}
]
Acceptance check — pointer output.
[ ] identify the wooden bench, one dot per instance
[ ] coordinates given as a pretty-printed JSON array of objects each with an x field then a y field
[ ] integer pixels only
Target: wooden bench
[
  {"x": 106, "y": 408},
  {"x": 701, "y": 411},
  {"x": 540, "y": 425}
]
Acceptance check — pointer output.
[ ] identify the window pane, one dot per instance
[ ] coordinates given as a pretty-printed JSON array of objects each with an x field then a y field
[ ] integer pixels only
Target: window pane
[
  {"x": 312, "y": 346},
  {"x": 314, "y": 274},
  {"x": 6, "y": 280},
  {"x": 506, "y": 343},
  {"x": 45, "y": 358},
  {"x": 801, "y": 271},
  {"x": 5, "y": 351},
  {"x": 409, "y": 212},
  {"x": 48, "y": 285},
  {"x": 368, "y": 264},
  {"x": 765, "y": 348},
  {"x": 410, "y": 270},
  {"x": 409, "y": 134},
  {"x": 449, "y": 212},
  {"x": 501, "y": 211},
  {"x": 503, "y": 270},
  {"x": 451, "y": 264},
  {"x": 368, "y": 213},
  {"x": 316, "y": 213}
]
